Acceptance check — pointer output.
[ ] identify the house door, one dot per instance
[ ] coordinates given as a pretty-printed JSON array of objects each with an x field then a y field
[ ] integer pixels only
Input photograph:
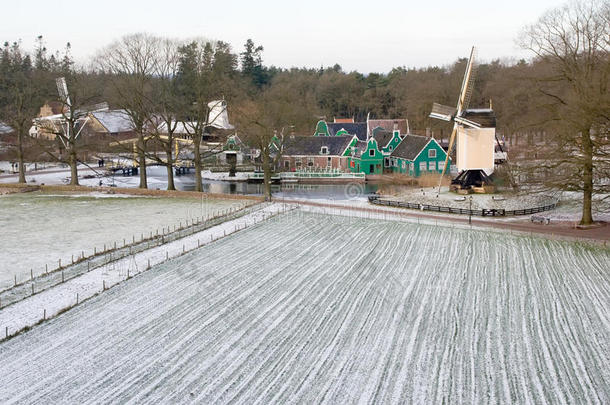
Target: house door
[{"x": 371, "y": 169}]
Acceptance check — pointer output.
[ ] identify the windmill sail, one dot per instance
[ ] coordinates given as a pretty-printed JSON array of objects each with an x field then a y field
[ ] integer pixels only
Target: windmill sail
[
  {"x": 446, "y": 113},
  {"x": 442, "y": 112},
  {"x": 62, "y": 89}
]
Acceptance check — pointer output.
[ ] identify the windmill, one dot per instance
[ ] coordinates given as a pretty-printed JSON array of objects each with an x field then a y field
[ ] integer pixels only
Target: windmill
[
  {"x": 474, "y": 130},
  {"x": 81, "y": 116}
]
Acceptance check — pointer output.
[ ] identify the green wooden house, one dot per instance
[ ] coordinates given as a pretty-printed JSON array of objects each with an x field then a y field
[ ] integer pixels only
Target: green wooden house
[
  {"x": 417, "y": 155},
  {"x": 366, "y": 158}
]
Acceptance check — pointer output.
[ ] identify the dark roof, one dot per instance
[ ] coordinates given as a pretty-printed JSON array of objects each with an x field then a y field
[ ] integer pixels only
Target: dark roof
[
  {"x": 354, "y": 128},
  {"x": 484, "y": 117},
  {"x": 410, "y": 146},
  {"x": 312, "y": 145},
  {"x": 361, "y": 146},
  {"x": 383, "y": 137},
  {"x": 388, "y": 125}
]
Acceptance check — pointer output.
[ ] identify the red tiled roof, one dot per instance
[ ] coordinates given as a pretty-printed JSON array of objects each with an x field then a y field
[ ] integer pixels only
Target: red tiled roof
[{"x": 344, "y": 120}]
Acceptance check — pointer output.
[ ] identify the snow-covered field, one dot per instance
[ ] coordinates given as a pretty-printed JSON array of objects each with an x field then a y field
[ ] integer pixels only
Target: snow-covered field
[
  {"x": 297, "y": 311},
  {"x": 38, "y": 229}
]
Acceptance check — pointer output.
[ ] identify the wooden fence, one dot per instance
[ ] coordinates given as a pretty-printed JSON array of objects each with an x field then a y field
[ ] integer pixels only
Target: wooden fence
[{"x": 374, "y": 199}]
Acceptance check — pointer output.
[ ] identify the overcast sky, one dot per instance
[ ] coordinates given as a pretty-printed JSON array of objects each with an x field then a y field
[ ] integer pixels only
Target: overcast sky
[{"x": 368, "y": 36}]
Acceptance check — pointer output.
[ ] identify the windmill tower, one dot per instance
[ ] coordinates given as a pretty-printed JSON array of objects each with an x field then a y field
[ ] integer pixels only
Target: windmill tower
[{"x": 475, "y": 131}]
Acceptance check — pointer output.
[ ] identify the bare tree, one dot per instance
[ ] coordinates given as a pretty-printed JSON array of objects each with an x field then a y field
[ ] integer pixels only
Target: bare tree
[
  {"x": 262, "y": 121},
  {"x": 131, "y": 62},
  {"x": 571, "y": 44},
  {"x": 67, "y": 127}
]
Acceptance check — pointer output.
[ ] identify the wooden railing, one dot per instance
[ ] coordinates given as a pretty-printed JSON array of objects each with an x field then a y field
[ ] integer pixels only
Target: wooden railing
[{"x": 374, "y": 199}]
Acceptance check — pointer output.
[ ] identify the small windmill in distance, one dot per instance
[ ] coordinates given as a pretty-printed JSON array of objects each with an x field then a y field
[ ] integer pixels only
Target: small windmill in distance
[
  {"x": 79, "y": 116},
  {"x": 475, "y": 130}
]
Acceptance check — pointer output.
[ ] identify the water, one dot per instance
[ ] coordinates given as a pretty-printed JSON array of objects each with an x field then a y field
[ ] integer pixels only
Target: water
[{"x": 157, "y": 178}]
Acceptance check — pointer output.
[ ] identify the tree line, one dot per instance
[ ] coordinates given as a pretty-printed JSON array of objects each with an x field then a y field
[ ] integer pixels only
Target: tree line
[{"x": 560, "y": 95}]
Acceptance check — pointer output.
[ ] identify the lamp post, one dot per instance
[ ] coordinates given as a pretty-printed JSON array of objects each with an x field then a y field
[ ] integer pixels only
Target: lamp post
[{"x": 470, "y": 211}]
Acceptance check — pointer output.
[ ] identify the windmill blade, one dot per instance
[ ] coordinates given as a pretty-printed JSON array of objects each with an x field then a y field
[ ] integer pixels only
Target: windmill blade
[
  {"x": 451, "y": 142},
  {"x": 467, "y": 122},
  {"x": 467, "y": 84},
  {"x": 442, "y": 112},
  {"x": 62, "y": 89}
]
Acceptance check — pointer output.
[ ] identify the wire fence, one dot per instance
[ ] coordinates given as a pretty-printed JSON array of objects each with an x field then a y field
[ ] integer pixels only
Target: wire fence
[
  {"x": 492, "y": 212},
  {"x": 179, "y": 234},
  {"x": 83, "y": 264}
]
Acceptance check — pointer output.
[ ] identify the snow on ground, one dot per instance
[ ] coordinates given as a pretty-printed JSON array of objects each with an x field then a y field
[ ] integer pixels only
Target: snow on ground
[
  {"x": 296, "y": 311},
  {"x": 38, "y": 229},
  {"x": 7, "y": 167},
  {"x": 507, "y": 201},
  {"x": 209, "y": 175},
  {"x": 29, "y": 311}
]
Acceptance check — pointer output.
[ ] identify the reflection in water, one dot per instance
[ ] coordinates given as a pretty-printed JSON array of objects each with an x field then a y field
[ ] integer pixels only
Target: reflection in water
[
  {"x": 292, "y": 190},
  {"x": 186, "y": 182}
]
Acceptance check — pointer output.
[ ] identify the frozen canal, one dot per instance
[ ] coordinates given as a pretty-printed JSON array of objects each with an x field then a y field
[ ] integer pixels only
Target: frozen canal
[
  {"x": 309, "y": 308},
  {"x": 39, "y": 229}
]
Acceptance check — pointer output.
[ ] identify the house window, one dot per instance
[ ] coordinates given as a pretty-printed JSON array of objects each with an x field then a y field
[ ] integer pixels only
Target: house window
[
  {"x": 324, "y": 150},
  {"x": 371, "y": 152},
  {"x": 441, "y": 165},
  {"x": 310, "y": 162},
  {"x": 298, "y": 163},
  {"x": 411, "y": 167},
  {"x": 386, "y": 162},
  {"x": 432, "y": 153},
  {"x": 329, "y": 163},
  {"x": 391, "y": 148},
  {"x": 321, "y": 134},
  {"x": 287, "y": 164},
  {"x": 404, "y": 165},
  {"x": 432, "y": 166},
  {"x": 422, "y": 166}
]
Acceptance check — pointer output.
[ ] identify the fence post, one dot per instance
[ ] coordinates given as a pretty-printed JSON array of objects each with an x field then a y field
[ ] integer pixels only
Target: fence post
[
  {"x": 6, "y": 331},
  {"x": 76, "y": 298},
  {"x": 32, "y": 288},
  {"x": 62, "y": 276},
  {"x": 59, "y": 262},
  {"x": 31, "y": 275},
  {"x": 148, "y": 264},
  {"x": 15, "y": 279},
  {"x": 44, "y": 314},
  {"x": 103, "y": 285},
  {"x": 46, "y": 268},
  {"x": 72, "y": 258}
]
